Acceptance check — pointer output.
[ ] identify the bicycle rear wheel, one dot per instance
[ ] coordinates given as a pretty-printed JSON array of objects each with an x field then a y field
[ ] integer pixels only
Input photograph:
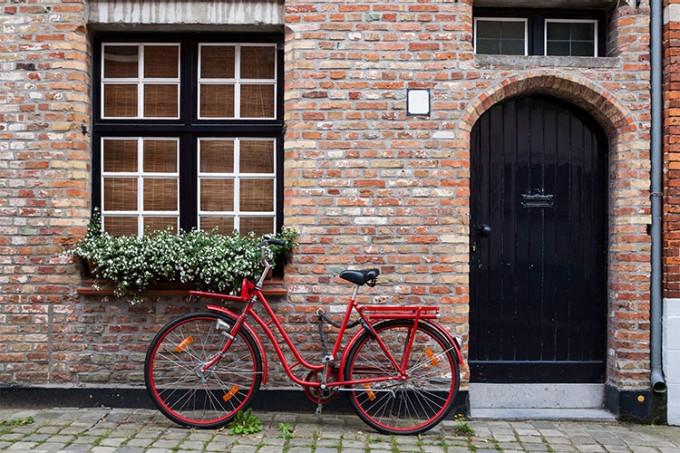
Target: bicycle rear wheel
[
  {"x": 189, "y": 395},
  {"x": 412, "y": 405}
]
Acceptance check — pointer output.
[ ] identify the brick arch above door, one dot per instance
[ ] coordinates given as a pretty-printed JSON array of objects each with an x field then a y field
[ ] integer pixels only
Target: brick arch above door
[{"x": 613, "y": 116}]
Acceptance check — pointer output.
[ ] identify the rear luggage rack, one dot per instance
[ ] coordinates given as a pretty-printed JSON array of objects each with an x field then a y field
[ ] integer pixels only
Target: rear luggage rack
[{"x": 378, "y": 312}]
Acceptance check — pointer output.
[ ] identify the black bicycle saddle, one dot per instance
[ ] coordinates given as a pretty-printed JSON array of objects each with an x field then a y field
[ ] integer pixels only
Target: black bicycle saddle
[{"x": 360, "y": 277}]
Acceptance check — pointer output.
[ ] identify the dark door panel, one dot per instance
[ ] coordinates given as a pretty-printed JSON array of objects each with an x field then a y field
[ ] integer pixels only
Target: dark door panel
[{"x": 538, "y": 243}]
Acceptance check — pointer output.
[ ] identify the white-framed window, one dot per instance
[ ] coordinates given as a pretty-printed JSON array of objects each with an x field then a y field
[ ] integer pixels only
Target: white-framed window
[
  {"x": 534, "y": 31},
  {"x": 501, "y": 36},
  {"x": 140, "y": 80},
  {"x": 571, "y": 37},
  {"x": 237, "y": 81},
  {"x": 140, "y": 181},
  {"x": 237, "y": 184}
]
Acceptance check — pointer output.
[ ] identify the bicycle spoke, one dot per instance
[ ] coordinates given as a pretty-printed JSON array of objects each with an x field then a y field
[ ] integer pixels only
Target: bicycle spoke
[
  {"x": 424, "y": 395},
  {"x": 184, "y": 389}
]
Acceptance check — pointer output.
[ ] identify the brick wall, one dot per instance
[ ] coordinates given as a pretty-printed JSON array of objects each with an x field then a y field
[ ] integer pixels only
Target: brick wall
[
  {"x": 368, "y": 185},
  {"x": 364, "y": 184},
  {"x": 671, "y": 207},
  {"x": 44, "y": 175},
  {"x": 671, "y": 252}
]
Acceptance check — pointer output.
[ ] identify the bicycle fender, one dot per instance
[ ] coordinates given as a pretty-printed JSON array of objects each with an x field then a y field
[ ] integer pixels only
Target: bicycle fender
[
  {"x": 263, "y": 354},
  {"x": 448, "y": 336}
]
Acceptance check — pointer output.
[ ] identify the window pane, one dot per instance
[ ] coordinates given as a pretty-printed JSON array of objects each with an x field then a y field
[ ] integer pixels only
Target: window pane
[
  {"x": 257, "y": 62},
  {"x": 257, "y": 195},
  {"x": 120, "y": 101},
  {"x": 257, "y": 101},
  {"x": 120, "y": 226},
  {"x": 558, "y": 48},
  {"x": 160, "y": 156},
  {"x": 224, "y": 225},
  {"x": 160, "y": 101},
  {"x": 217, "y": 195},
  {"x": 161, "y": 62},
  {"x": 257, "y": 156},
  {"x": 217, "y": 62},
  {"x": 160, "y": 194},
  {"x": 576, "y": 39},
  {"x": 512, "y": 30},
  {"x": 217, "y": 101},
  {"x": 488, "y": 29},
  {"x": 583, "y": 49},
  {"x": 512, "y": 47},
  {"x": 260, "y": 225},
  {"x": 160, "y": 223},
  {"x": 120, "y": 156},
  {"x": 500, "y": 37},
  {"x": 488, "y": 46},
  {"x": 558, "y": 31},
  {"x": 120, "y": 194},
  {"x": 583, "y": 32},
  {"x": 121, "y": 62},
  {"x": 217, "y": 156}
]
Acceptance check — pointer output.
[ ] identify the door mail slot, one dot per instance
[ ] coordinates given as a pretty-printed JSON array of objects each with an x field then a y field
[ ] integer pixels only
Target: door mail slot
[{"x": 537, "y": 200}]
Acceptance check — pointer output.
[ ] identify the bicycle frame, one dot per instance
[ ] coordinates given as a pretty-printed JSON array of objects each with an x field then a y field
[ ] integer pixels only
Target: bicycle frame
[{"x": 250, "y": 293}]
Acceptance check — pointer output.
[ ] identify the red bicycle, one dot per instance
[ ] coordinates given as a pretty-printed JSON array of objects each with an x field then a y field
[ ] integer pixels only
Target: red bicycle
[{"x": 400, "y": 370}]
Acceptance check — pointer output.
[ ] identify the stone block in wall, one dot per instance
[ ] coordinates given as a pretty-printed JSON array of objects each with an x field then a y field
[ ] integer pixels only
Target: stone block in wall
[{"x": 671, "y": 357}]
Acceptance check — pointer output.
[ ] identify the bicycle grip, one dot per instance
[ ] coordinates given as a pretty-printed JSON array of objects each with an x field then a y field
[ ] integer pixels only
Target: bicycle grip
[{"x": 275, "y": 242}]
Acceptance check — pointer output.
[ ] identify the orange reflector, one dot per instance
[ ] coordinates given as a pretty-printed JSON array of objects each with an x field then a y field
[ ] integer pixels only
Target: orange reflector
[
  {"x": 371, "y": 395},
  {"x": 433, "y": 359},
  {"x": 227, "y": 396},
  {"x": 183, "y": 345}
]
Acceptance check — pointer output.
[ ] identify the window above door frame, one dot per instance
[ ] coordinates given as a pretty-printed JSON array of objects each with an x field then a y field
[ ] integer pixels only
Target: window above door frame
[{"x": 537, "y": 20}]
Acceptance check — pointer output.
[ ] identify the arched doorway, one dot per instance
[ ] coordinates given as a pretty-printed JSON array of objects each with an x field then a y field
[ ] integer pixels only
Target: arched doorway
[{"x": 538, "y": 244}]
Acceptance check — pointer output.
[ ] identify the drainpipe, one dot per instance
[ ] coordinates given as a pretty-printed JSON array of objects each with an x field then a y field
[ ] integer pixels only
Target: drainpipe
[{"x": 657, "y": 379}]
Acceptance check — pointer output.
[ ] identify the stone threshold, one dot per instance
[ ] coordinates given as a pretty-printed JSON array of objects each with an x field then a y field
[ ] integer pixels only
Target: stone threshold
[{"x": 599, "y": 415}]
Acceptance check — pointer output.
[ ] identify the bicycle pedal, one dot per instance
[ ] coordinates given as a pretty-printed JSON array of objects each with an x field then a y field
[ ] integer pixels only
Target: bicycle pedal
[{"x": 319, "y": 407}]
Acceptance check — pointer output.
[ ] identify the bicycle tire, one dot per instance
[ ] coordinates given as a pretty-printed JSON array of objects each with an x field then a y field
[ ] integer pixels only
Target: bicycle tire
[
  {"x": 409, "y": 406},
  {"x": 179, "y": 389}
]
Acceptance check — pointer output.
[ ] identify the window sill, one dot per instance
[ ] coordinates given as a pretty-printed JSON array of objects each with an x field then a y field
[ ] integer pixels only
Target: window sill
[
  {"x": 272, "y": 287},
  {"x": 523, "y": 62}
]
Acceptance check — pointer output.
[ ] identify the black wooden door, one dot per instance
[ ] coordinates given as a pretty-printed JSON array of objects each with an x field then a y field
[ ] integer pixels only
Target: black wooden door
[{"x": 538, "y": 243}]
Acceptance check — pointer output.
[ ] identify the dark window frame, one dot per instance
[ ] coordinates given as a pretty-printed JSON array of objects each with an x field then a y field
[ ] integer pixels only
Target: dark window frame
[
  {"x": 188, "y": 128},
  {"x": 536, "y": 26}
]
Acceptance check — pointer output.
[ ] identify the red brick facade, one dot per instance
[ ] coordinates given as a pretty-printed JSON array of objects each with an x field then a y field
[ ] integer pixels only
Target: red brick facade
[
  {"x": 365, "y": 184},
  {"x": 672, "y": 156}
]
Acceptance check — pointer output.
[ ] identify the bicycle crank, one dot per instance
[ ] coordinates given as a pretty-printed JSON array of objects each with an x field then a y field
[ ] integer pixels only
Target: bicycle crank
[{"x": 317, "y": 394}]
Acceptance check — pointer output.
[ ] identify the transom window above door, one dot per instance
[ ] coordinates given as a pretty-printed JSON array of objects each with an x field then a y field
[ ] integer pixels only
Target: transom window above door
[
  {"x": 188, "y": 132},
  {"x": 505, "y": 31},
  {"x": 501, "y": 36}
]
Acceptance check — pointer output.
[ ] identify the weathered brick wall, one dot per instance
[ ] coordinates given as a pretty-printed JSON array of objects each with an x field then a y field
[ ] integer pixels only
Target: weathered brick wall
[
  {"x": 364, "y": 184},
  {"x": 368, "y": 185},
  {"x": 671, "y": 207},
  {"x": 44, "y": 175},
  {"x": 671, "y": 252}
]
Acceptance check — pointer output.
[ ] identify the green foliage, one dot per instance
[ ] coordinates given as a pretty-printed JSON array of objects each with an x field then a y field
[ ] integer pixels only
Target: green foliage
[
  {"x": 286, "y": 431},
  {"x": 210, "y": 260},
  {"x": 245, "y": 423},
  {"x": 462, "y": 428},
  {"x": 17, "y": 421}
]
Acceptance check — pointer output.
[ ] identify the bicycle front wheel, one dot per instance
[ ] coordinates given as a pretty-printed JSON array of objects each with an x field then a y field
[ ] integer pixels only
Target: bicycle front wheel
[
  {"x": 423, "y": 397},
  {"x": 184, "y": 388}
]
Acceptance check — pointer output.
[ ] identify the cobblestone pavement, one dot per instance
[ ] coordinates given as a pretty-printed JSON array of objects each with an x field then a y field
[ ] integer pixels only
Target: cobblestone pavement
[{"x": 106, "y": 430}]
